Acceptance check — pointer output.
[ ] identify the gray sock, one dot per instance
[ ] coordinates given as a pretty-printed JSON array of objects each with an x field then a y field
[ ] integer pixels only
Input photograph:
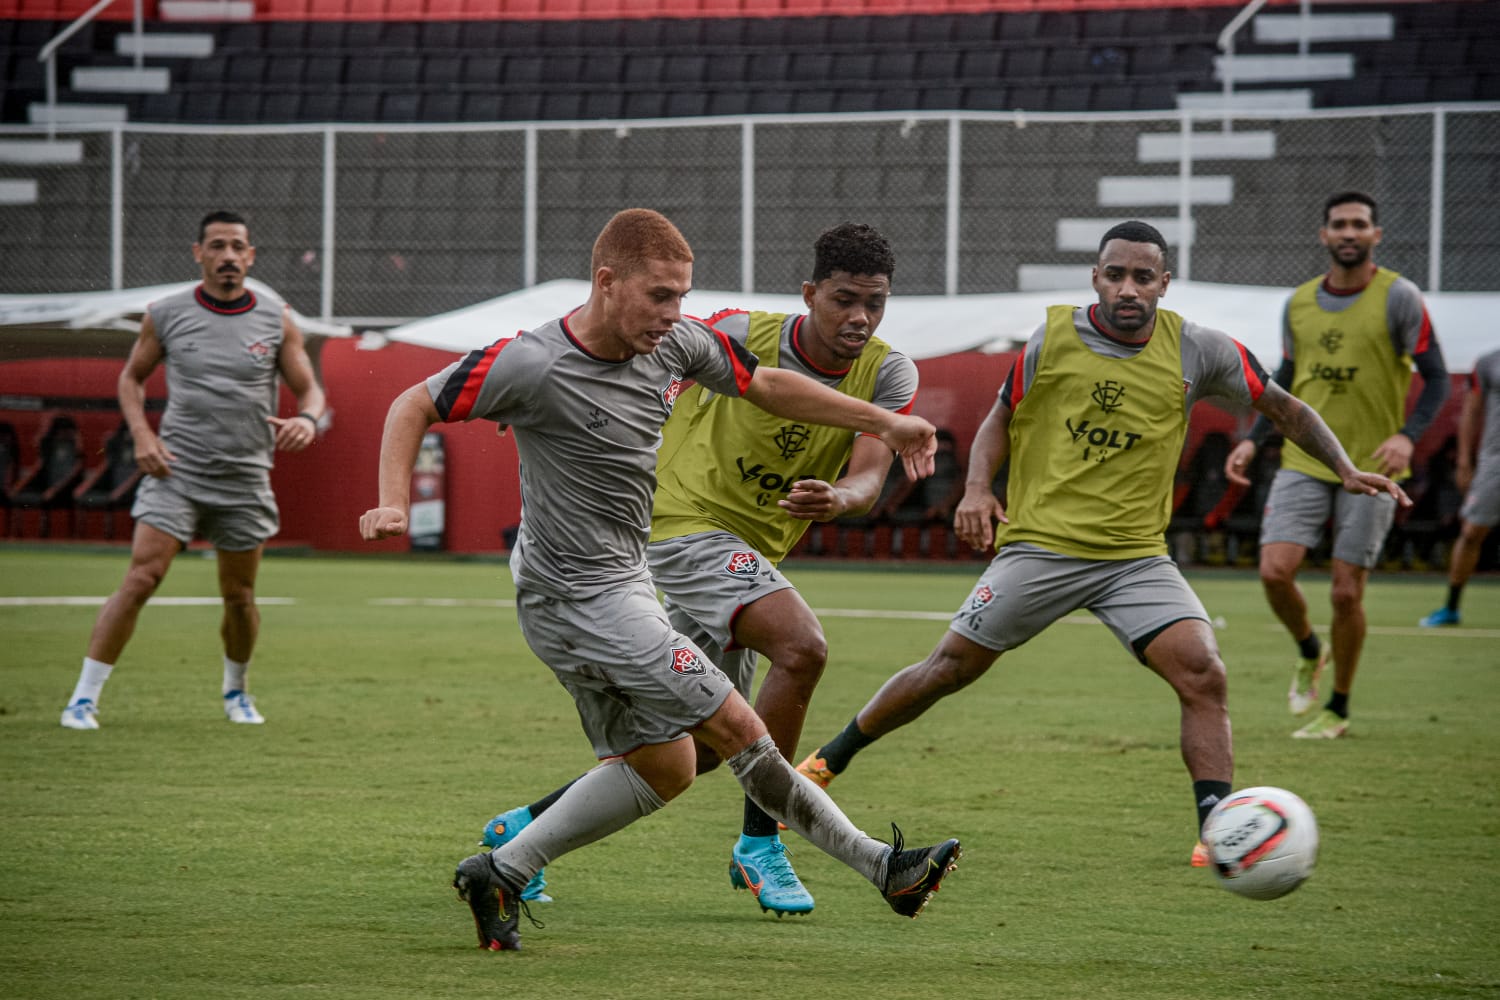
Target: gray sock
[
  {"x": 606, "y": 799},
  {"x": 776, "y": 787}
]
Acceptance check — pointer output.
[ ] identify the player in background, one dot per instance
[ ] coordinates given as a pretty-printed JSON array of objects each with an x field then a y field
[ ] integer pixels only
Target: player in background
[
  {"x": 586, "y": 396},
  {"x": 737, "y": 488},
  {"x": 208, "y": 473},
  {"x": 1349, "y": 340},
  {"x": 1480, "y": 482},
  {"x": 1092, "y": 419}
]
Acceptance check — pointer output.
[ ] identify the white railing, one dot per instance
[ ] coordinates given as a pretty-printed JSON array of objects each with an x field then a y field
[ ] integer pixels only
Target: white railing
[
  {"x": 48, "y": 54},
  {"x": 1226, "y": 46}
]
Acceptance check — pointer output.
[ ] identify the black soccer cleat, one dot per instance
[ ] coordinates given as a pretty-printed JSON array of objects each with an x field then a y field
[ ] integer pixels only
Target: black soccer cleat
[
  {"x": 911, "y": 877},
  {"x": 495, "y": 905}
]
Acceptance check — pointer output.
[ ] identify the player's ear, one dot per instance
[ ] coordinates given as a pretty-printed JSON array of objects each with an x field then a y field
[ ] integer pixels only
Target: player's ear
[{"x": 1166, "y": 279}]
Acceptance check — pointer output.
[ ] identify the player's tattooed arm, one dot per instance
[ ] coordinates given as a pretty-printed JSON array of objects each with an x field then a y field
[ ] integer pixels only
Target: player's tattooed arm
[{"x": 1302, "y": 425}]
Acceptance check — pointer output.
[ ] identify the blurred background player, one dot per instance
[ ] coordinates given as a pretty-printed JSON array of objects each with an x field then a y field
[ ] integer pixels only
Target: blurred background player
[
  {"x": 1480, "y": 482},
  {"x": 208, "y": 473},
  {"x": 1092, "y": 419},
  {"x": 1349, "y": 340},
  {"x": 737, "y": 488},
  {"x": 586, "y": 396}
]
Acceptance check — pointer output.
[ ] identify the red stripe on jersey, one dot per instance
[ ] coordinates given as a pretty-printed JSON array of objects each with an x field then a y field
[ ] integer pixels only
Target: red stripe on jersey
[
  {"x": 742, "y": 374},
  {"x": 1424, "y": 337},
  {"x": 475, "y": 379},
  {"x": 1251, "y": 378},
  {"x": 1018, "y": 380},
  {"x": 724, "y": 314}
]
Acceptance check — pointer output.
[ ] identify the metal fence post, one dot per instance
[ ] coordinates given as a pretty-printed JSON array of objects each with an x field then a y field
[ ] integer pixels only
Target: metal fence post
[
  {"x": 1185, "y": 200},
  {"x": 529, "y": 212},
  {"x": 326, "y": 283},
  {"x": 955, "y": 180},
  {"x": 1435, "y": 214},
  {"x": 117, "y": 208},
  {"x": 747, "y": 207}
]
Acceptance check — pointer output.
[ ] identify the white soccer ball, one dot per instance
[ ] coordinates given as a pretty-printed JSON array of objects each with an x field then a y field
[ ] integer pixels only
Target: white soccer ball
[{"x": 1262, "y": 842}]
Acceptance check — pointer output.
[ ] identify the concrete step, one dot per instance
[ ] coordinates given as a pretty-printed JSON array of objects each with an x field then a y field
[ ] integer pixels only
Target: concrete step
[
  {"x": 39, "y": 113},
  {"x": 166, "y": 45},
  {"x": 41, "y": 152},
  {"x": 1056, "y": 277},
  {"x": 122, "y": 79},
  {"x": 1276, "y": 29},
  {"x": 1212, "y": 102},
  {"x": 17, "y": 192},
  {"x": 1083, "y": 234},
  {"x": 1165, "y": 190},
  {"x": 1166, "y": 147},
  {"x": 206, "y": 10},
  {"x": 1292, "y": 67}
]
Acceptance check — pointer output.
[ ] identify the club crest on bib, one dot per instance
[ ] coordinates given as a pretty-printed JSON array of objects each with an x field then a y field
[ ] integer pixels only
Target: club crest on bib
[
  {"x": 742, "y": 564},
  {"x": 685, "y": 660},
  {"x": 1109, "y": 394}
]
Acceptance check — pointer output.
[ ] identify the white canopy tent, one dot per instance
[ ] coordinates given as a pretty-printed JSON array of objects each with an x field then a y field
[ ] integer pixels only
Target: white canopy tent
[{"x": 925, "y": 326}]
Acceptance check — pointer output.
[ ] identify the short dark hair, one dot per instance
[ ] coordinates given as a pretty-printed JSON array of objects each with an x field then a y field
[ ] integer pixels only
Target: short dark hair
[
  {"x": 1345, "y": 198},
  {"x": 853, "y": 248},
  {"x": 1135, "y": 231},
  {"x": 228, "y": 218},
  {"x": 633, "y": 237}
]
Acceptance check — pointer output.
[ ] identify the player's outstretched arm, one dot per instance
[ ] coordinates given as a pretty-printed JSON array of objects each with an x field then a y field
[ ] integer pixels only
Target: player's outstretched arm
[
  {"x": 797, "y": 397},
  {"x": 405, "y": 423},
  {"x": 854, "y": 493},
  {"x": 974, "y": 519},
  {"x": 1302, "y": 425}
]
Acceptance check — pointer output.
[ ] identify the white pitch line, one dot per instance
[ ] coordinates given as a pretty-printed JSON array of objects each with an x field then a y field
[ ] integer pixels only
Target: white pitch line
[{"x": 177, "y": 602}]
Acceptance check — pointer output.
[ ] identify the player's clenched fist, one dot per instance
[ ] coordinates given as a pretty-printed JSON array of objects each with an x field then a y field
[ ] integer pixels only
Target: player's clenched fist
[{"x": 382, "y": 522}]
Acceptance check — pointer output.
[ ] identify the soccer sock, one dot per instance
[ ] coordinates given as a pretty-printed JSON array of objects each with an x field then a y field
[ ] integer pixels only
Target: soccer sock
[
  {"x": 1455, "y": 594},
  {"x": 1208, "y": 794},
  {"x": 1309, "y": 647},
  {"x": 234, "y": 675},
  {"x": 91, "y": 681},
  {"x": 544, "y": 803},
  {"x": 839, "y": 751},
  {"x": 601, "y": 802},
  {"x": 1338, "y": 704},
  {"x": 758, "y": 822},
  {"x": 804, "y": 807}
]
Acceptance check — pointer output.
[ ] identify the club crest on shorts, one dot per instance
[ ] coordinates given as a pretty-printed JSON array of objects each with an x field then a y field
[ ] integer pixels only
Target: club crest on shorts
[
  {"x": 742, "y": 564},
  {"x": 685, "y": 660},
  {"x": 981, "y": 597}
]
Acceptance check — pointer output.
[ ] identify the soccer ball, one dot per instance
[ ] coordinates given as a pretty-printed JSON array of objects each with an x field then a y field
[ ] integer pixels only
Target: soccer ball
[{"x": 1262, "y": 842}]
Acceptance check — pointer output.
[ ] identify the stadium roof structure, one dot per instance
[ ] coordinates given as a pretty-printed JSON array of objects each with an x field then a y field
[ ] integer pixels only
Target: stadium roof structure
[
  {"x": 105, "y": 324},
  {"x": 926, "y": 326}
]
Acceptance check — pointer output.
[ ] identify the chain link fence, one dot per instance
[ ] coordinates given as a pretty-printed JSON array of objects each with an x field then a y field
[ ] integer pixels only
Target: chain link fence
[{"x": 378, "y": 224}]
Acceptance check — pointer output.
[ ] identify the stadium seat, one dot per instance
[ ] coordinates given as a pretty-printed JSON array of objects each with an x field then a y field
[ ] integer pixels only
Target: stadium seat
[
  {"x": 47, "y": 484},
  {"x": 109, "y": 486}
]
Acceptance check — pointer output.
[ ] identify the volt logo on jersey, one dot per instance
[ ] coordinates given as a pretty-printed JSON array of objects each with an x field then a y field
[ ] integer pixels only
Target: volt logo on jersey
[
  {"x": 1111, "y": 438},
  {"x": 685, "y": 660},
  {"x": 742, "y": 564}
]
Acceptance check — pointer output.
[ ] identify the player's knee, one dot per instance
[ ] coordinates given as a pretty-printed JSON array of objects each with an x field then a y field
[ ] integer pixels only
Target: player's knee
[
  {"x": 1346, "y": 597},
  {"x": 945, "y": 673},
  {"x": 707, "y": 760},
  {"x": 141, "y": 582},
  {"x": 1474, "y": 534},
  {"x": 803, "y": 659},
  {"x": 1204, "y": 680},
  {"x": 238, "y": 596},
  {"x": 1276, "y": 574}
]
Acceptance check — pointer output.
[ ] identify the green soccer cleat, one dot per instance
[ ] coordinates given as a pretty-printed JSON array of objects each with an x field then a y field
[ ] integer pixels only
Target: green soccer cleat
[
  {"x": 760, "y": 864},
  {"x": 1328, "y": 725},
  {"x": 1303, "y": 694}
]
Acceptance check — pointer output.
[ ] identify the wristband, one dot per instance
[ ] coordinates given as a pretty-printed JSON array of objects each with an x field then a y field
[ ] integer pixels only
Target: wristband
[{"x": 308, "y": 416}]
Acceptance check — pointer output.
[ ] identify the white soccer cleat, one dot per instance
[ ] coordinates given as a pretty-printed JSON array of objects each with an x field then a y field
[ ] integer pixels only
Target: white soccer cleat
[
  {"x": 240, "y": 707},
  {"x": 82, "y": 714}
]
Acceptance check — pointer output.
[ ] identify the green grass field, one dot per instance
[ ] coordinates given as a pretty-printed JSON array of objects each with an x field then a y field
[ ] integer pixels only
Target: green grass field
[{"x": 173, "y": 855}]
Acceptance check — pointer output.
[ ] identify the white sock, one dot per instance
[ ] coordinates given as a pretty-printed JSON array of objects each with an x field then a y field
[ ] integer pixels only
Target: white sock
[
  {"x": 91, "y": 680},
  {"x": 606, "y": 799},
  {"x": 234, "y": 675},
  {"x": 776, "y": 787}
]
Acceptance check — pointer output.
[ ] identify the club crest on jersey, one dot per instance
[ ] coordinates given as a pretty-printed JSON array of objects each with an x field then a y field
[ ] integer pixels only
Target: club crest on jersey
[
  {"x": 1109, "y": 394},
  {"x": 685, "y": 660},
  {"x": 742, "y": 564},
  {"x": 260, "y": 352},
  {"x": 673, "y": 390},
  {"x": 1331, "y": 341},
  {"x": 791, "y": 439}
]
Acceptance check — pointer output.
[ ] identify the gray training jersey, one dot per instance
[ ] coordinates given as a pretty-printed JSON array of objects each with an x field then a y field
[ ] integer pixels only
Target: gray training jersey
[
  {"x": 587, "y": 430},
  {"x": 222, "y": 383},
  {"x": 1486, "y": 380}
]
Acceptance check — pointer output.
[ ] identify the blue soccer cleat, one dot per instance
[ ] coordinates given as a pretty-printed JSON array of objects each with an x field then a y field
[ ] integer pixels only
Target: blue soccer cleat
[
  {"x": 499, "y": 831},
  {"x": 1440, "y": 617},
  {"x": 760, "y": 865}
]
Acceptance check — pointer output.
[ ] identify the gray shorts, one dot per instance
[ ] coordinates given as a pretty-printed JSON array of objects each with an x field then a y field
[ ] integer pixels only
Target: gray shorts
[
  {"x": 1026, "y": 588},
  {"x": 1482, "y": 502},
  {"x": 635, "y": 679},
  {"x": 1298, "y": 506},
  {"x": 706, "y": 580},
  {"x": 232, "y": 517}
]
